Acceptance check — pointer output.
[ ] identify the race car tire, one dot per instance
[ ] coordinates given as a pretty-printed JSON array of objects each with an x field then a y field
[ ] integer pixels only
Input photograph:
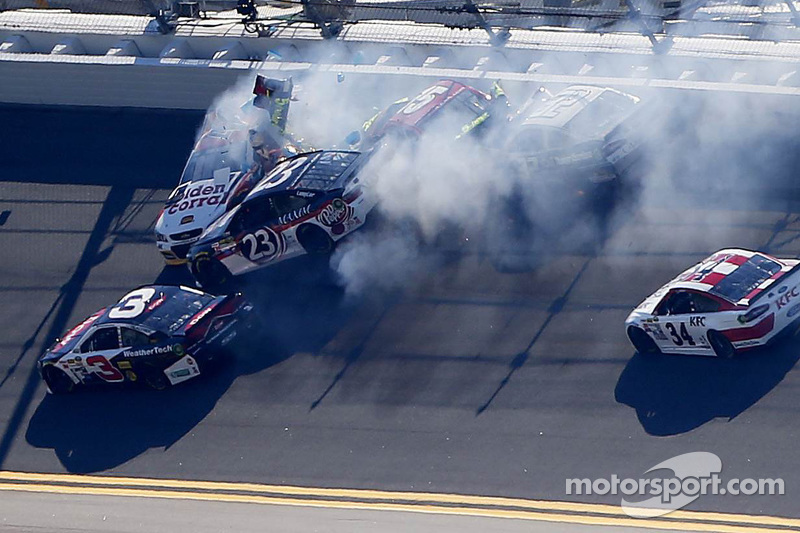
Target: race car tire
[
  {"x": 722, "y": 347},
  {"x": 57, "y": 380},
  {"x": 642, "y": 341},
  {"x": 155, "y": 379},
  {"x": 210, "y": 273},
  {"x": 314, "y": 240}
]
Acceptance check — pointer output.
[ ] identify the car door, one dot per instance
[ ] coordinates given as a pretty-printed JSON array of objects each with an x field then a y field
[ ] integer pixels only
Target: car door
[
  {"x": 682, "y": 323},
  {"x": 96, "y": 350}
]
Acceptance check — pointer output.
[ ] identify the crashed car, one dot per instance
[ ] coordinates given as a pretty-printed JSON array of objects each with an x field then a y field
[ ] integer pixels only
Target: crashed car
[
  {"x": 731, "y": 301},
  {"x": 304, "y": 206},
  {"x": 458, "y": 108},
  {"x": 159, "y": 335},
  {"x": 232, "y": 153}
]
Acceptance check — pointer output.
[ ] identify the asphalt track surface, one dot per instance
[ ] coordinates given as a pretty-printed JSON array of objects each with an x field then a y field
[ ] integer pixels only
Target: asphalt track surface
[{"x": 468, "y": 381}]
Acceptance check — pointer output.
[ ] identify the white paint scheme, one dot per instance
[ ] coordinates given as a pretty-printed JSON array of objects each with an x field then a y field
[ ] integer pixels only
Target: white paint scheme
[
  {"x": 182, "y": 370},
  {"x": 782, "y": 296}
]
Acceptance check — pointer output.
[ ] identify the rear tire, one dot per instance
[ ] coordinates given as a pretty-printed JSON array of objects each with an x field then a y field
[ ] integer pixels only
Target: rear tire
[
  {"x": 210, "y": 273},
  {"x": 642, "y": 341},
  {"x": 314, "y": 240},
  {"x": 155, "y": 379},
  {"x": 57, "y": 380},
  {"x": 722, "y": 347}
]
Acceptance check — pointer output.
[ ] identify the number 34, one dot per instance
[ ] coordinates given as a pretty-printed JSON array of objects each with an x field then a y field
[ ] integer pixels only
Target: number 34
[{"x": 677, "y": 338}]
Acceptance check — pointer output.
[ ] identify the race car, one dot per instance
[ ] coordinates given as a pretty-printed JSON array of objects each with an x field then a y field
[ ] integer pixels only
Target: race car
[
  {"x": 304, "y": 205},
  {"x": 233, "y": 152},
  {"x": 582, "y": 130},
  {"x": 448, "y": 107},
  {"x": 731, "y": 301},
  {"x": 159, "y": 335}
]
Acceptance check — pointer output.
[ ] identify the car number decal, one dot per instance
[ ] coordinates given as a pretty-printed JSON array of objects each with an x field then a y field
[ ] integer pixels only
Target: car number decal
[
  {"x": 262, "y": 245},
  {"x": 133, "y": 304}
]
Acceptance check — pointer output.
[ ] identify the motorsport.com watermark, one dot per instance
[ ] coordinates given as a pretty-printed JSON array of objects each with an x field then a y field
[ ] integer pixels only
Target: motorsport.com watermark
[{"x": 693, "y": 475}]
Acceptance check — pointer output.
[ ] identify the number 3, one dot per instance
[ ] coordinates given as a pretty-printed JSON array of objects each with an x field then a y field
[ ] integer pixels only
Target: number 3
[
  {"x": 103, "y": 368},
  {"x": 132, "y": 304}
]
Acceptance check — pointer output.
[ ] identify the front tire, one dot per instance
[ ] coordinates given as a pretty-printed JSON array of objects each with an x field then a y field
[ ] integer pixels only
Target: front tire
[
  {"x": 314, "y": 240},
  {"x": 210, "y": 273},
  {"x": 721, "y": 345},
  {"x": 57, "y": 380},
  {"x": 642, "y": 341}
]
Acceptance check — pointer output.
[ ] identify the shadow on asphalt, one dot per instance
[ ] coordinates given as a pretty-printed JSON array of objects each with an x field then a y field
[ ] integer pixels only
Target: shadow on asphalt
[
  {"x": 95, "y": 430},
  {"x": 676, "y": 394}
]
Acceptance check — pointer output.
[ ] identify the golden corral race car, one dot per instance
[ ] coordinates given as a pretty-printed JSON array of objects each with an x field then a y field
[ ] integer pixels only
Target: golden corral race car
[
  {"x": 731, "y": 301},
  {"x": 305, "y": 205},
  {"x": 232, "y": 153}
]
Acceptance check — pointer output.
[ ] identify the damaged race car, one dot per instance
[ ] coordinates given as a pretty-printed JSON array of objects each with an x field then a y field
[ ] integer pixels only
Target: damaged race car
[
  {"x": 232, "y": 153},
  {"x": 304, "y": 206},
  {"x": 158, "y": 335},
  {"x": 731, "y": 301}
]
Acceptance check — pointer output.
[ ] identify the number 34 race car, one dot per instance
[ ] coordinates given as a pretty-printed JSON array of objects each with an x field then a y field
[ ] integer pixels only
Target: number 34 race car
[
  {"x": 160, "y": 335},
  {"x": 731, "y": 301}
]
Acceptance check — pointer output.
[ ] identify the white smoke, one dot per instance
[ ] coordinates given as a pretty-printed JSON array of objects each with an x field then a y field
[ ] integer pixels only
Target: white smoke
[{"x": 721, "y": 145}]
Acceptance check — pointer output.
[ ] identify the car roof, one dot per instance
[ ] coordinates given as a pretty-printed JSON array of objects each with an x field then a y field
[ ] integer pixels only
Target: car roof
[
  {"x": 715, "y": 273},
  {"x": 563, "y": 108},
  {"x": 319, "y": 171}
]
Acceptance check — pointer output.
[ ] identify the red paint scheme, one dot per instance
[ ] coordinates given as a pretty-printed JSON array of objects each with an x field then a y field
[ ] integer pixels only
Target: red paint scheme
[{"x": 753, "y": 332}]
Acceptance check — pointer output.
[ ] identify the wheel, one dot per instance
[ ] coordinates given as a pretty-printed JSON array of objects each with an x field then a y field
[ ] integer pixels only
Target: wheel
[
  {"x": 155, "y": 379},
  {"x": 720, "y": 344},
  {"x": 57, "y": 381},
  {"x": 314, "y": 240},
  {"x": 210, "y": 272},
  {"x": 642, "y": 341}
]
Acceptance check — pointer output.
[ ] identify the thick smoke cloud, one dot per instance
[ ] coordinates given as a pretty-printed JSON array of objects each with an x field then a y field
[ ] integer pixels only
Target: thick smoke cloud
[{"x": 721, "y": 150}]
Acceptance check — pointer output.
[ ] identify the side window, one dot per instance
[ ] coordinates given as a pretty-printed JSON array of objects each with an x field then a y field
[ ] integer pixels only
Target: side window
[
  {"x": 283, "y": 204},
  {"x": 704, "y": 304},
  {"x": 131, "y": 338},
  {"x": 101, "y": 339},
  {"x": 251, "y": 215}
]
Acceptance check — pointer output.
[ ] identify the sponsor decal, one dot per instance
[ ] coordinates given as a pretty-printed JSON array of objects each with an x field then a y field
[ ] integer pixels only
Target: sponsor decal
[
  {"x": 294, "y": 215},
  {"x": 743, "y": 344},
  {"x": 783, "y": 289},
  {"x": 793, "y": 311},
  {"x": 697, "y": 321},
  {"x": 198, "y": 197},
  {"x": 335, "y": 213},
  {"x": 77, "y": 330},
  {"x": 181, "y": 373},
  {"x": 655, "y": 331},
  {"x": 145, "y": 352},
  {"x": 124, "y": 365},
  {"x": 156, "y": 303},
  {"x": 198, "y": 317},
  {"x": 178, "y": 349},
  {"x": 131, "y": 375},
  {"x": 787, "y": 297}
]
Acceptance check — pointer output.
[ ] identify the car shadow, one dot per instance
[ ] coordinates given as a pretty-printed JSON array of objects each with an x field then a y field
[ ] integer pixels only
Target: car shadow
[
  {"x": 676, "y": 394},
  {"x": 96, "y": 430}
]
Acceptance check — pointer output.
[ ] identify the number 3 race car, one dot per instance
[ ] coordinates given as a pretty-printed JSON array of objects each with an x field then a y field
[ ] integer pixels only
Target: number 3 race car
[
  {"x": 158, "y": 334},
  {"x": 304, "y": 205},
  {"x": 731, "y": 301}
]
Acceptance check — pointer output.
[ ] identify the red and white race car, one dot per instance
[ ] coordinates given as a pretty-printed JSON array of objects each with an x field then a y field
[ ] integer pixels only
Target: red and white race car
[{"x": 731, "y": 301}]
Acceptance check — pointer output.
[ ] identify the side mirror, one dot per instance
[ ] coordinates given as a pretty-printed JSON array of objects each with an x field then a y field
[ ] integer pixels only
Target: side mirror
[{"x": 353, "y": 138}]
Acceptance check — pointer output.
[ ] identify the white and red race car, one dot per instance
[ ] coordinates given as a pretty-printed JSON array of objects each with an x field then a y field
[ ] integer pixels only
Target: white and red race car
[{"x": 731, "y": 301}]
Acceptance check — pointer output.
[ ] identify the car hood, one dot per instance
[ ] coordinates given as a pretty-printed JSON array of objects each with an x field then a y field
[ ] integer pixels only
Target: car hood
[{"x": 202, "y": 203}]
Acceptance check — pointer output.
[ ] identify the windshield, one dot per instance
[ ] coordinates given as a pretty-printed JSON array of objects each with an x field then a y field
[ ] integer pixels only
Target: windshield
[
  {"x": 203, "y": 164},
  {"x": 458, "y": 116},
  {"x": 179, "y": 307},
  {"x": 745, "y": 279}
]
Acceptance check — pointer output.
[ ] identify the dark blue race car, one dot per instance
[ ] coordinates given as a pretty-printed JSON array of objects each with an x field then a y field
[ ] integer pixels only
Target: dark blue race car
[{"x": 160, "y": 335}]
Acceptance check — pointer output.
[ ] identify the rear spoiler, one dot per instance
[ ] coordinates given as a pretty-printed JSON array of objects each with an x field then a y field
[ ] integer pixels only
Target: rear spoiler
[{"x": 794, "y": 270}]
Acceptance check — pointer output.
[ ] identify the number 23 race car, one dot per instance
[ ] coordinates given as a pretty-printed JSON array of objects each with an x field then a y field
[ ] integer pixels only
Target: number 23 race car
[
  {"x": 304, "y": 206},
  {"x": 731, "y": 301},
  {"x": 161, "y": 335}
]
